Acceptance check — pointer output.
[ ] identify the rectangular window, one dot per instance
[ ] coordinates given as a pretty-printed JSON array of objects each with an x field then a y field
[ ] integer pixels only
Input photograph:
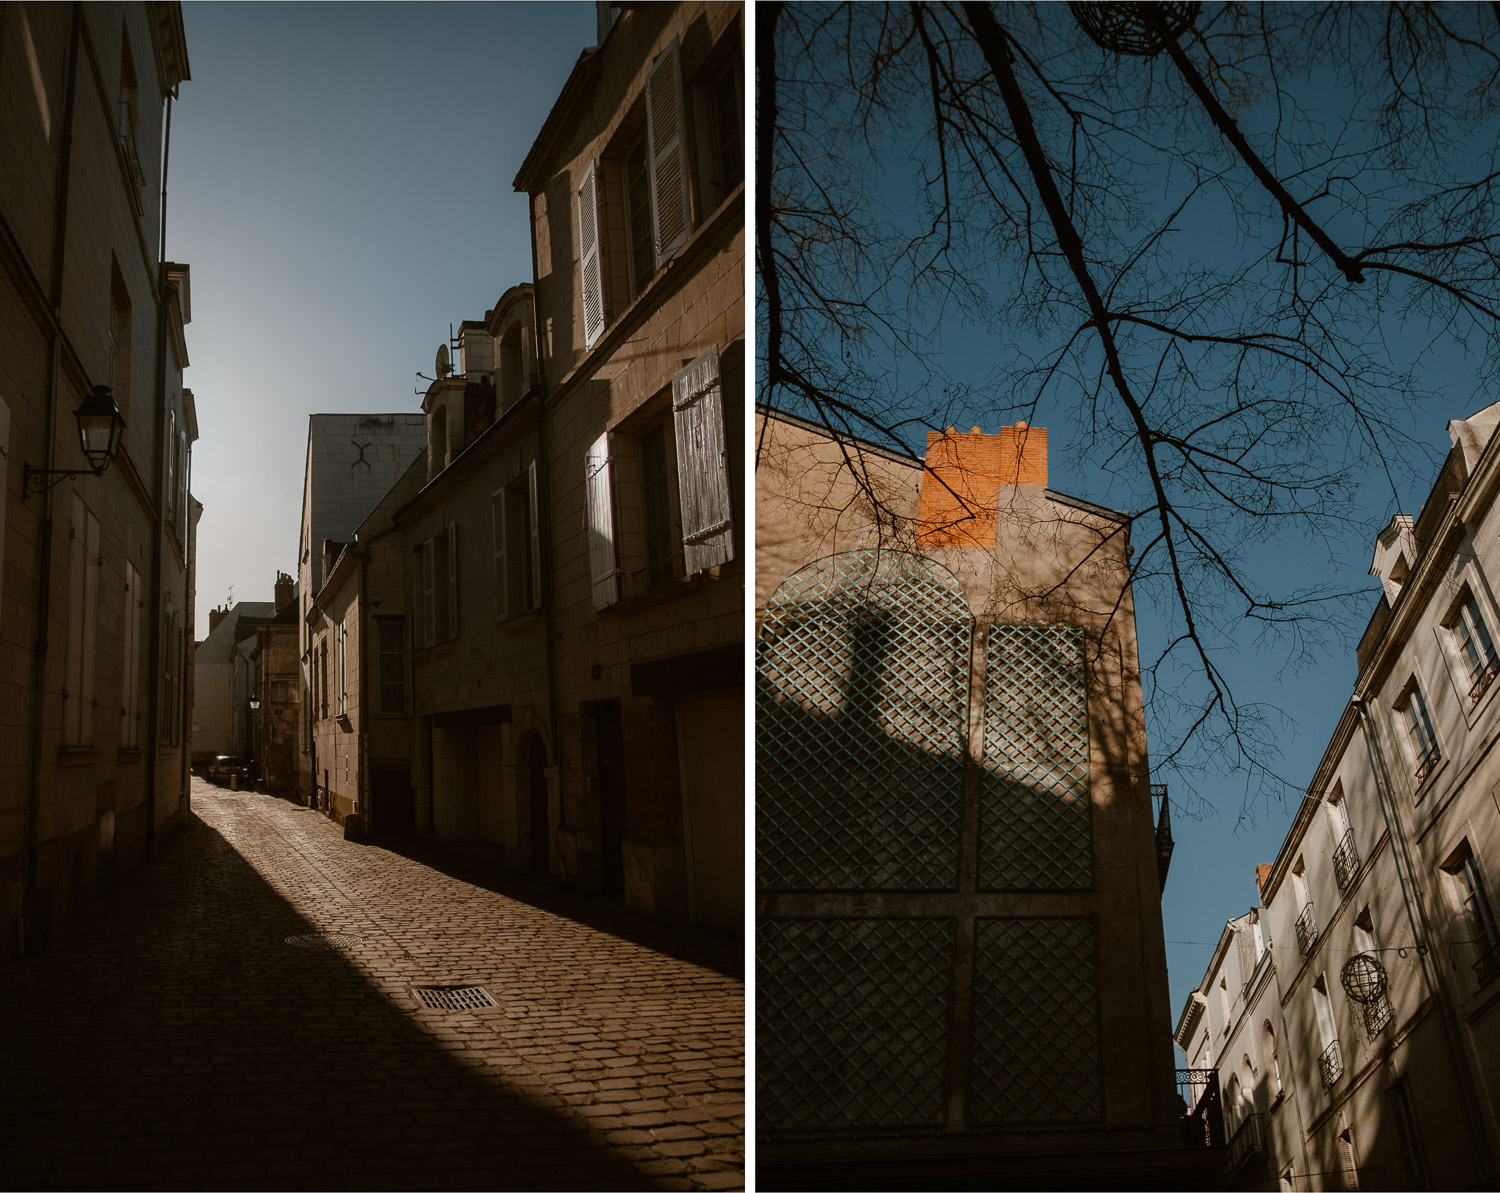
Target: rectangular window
[
  {"x": 1475, "y": 647},
  {"x": 1477, "y": 917},
  {"x": 721, "y": 147},
  {"x": 639, "y": 233},
  {"x": 323, "y": 675},
  {"x": 392, "y": 668},
  {"x": 84, "y": 564},
  {"x": 1408, "y": 1135},
  {"x": 1424, "y": 745},
  {"x": 663, "y": 559},
  {"x": 343, "y": 669},
  {"x": 130, "y": 712},
  {"x": 1330, "y": 1063}
]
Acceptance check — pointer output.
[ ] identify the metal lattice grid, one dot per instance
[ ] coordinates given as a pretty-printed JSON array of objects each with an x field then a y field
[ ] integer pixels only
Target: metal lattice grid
[
  {"x": 862, "y": 696},
  {"x": 453, "y": 998},
  {"x": 324, "y": 940},
  {"x": 852, "y": 1022},
  {"x": 1034, "y": 831},
  {"x": 1035, "y": 1051}
]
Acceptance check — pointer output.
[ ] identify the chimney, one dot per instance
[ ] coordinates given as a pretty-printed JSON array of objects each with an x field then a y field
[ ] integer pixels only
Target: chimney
[
  {"x": 215, "y": 616},
  {"x": 286, "y": 588},
  {"x": 476, "y": 349},
  {"x": 1262, "y": 872},
  {"x": 961, "y": 487}
]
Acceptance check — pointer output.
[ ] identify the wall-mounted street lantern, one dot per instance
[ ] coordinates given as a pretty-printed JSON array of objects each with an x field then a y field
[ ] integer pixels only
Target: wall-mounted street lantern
[{"x": 100, "y": 425}]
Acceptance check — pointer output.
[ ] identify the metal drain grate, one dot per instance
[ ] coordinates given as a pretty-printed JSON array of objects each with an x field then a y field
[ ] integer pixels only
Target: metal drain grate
[
  {"x": 453, "y": 998},
  {"x": 325, "y": 940}
]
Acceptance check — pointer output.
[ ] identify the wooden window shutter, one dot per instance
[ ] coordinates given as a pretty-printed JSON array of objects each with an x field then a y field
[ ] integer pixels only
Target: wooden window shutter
[
  {"x": 497, "y": 532},
  {"x": 73, "y": 672},
  {"x": 429, "y": 594},
  {"x": 702, "y": 467},
  {"x": 452, "y": 580},
  {"x": 91, "y": 568},
  {"x": 536, "y": 538},
  {"x": 171, "y": 450},
  {"x": 590, "y": 264},
  {"x": 601, "y": 515},
  {"x": 671, "y": 206}
]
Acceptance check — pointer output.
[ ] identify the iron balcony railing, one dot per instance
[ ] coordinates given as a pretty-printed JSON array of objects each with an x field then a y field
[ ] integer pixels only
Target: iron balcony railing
[
  {"x": 1377, "y": 1015},
  {"x": 1248, "y": 1141},
  {"x": 1331, "y": 1065},
  {"x": 1429, "y": 761},
  {"x": 1345, "y": 861},
  {"x": 1307, "y": 930},
  {"x": 1487, "y": 968},
  {"x": 1483, "y": 680},
  {"x": 1202, "y": 1119}
]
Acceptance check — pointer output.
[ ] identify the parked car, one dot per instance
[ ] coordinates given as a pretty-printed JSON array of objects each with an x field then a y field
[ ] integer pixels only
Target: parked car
[{"x": 225, "y": 765}]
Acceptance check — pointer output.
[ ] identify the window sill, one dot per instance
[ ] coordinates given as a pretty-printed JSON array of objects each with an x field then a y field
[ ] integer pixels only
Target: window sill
[
  {"x": 522, "y": 622},
  {"x": 78, "y": 755},
  {"x": 681, "y": 587},
  {"x": 129, "y": 753}
]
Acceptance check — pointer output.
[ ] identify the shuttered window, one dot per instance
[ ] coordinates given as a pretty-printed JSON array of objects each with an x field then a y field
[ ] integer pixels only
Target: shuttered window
[
  {"x": 534, "y": 577},
  {"x": 601, "y": 525},
  {"x": 83, "y": 596},
  {"x": 702, "y": 466},
  {"x": 591, "y": 268},
  {"x": 343, "y": 669},
  {"x": 497, "y": 534},
  {"x": 670, "y": 205},
  {"x": 131, "y": 681}
]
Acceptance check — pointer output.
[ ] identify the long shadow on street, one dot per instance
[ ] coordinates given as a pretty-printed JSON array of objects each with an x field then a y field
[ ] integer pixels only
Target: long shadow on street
[{"x": 173, "y": 1039}]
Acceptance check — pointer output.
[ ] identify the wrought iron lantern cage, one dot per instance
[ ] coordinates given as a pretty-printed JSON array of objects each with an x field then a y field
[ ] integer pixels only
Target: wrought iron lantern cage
[
  {"x": 1137, "y": 29},
  {"x": 1364, "y": 978}
]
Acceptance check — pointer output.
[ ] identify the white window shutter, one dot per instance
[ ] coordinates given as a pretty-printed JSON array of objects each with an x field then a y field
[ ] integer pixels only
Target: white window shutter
[
  {"x": 602, "y": 569},
  {"x": 671, "y": 206},
  {"x": 429, "y": 594},
  {"x": 702, "y": 467},
  {"x": 536, "y": 538},
  {"x": 452, "y": 580},
  {"x": 497, "y": 532},
  {"x": 590, "y": 265},
  {"x": 171, "y": 450}
]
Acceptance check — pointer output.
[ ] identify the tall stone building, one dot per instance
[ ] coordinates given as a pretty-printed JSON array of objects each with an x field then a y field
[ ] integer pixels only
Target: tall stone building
[
  {"x": 277, "y": 676},
  {"x": 960, "y": 972},
  {"x": 1351, "y": 1020},
  {"x": 352, "y": 462},
  {"x": 224, "y": 680},
  {"x": 95, "y": 616},
  {"x": 636, "y": 192}
]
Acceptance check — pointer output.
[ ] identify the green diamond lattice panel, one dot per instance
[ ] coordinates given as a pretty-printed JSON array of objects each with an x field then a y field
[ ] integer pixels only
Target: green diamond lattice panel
[
  {"x": 1034, "y": 831},
  {"x": 1035, "y": 1054},
  {"x": 852, "y": 1022},
  {"x": 862, "y": 696}
]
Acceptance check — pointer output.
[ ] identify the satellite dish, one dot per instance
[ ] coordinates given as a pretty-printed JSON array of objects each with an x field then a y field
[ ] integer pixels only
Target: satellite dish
[{"x": 443, "y": 367}]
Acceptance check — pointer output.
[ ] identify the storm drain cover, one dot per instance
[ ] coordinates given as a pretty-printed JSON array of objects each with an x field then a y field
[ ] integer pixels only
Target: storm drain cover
[
  {"x": 453, "y": 998},
  {"x": 324, "y": 940}
]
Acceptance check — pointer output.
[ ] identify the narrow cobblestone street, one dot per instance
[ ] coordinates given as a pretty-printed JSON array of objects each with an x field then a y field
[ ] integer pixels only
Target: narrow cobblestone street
[{"x": 173, "y": 1038}]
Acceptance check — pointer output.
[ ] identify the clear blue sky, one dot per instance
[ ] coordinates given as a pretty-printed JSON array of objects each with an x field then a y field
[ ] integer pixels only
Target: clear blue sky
[{"x": 340, "y": 183}]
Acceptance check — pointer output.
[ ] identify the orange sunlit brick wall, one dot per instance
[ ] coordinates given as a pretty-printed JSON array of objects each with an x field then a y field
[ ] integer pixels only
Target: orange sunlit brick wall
[{"x": 961, "y": 488}]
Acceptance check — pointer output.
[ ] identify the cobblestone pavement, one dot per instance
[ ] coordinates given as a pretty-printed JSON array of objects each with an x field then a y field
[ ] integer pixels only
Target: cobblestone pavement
[{"x": 172, "y": 1038}]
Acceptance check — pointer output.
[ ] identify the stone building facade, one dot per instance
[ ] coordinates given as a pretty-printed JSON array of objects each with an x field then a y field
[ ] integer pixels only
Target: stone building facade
[
  {"x": 224, "y": 680},
  {"x": 960, "y": 970},
  {"x": 359, "y": 643},
  {"x": 636, "y": 192},
  {"x": 1351, "y": 1020},
  {"x": 352, "y": 462},
  {"x": 94, "y": 611},
  {"x": 277, "y": 674}
]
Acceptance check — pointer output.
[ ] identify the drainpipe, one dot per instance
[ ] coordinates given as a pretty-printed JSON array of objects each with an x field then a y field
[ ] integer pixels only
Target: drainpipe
[
  {"x": 1416, "y": 914},
  {"x": 35, "y": 907},
  {"x": 153, "y": 689},
  {"x": 188, "y": 538}
]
